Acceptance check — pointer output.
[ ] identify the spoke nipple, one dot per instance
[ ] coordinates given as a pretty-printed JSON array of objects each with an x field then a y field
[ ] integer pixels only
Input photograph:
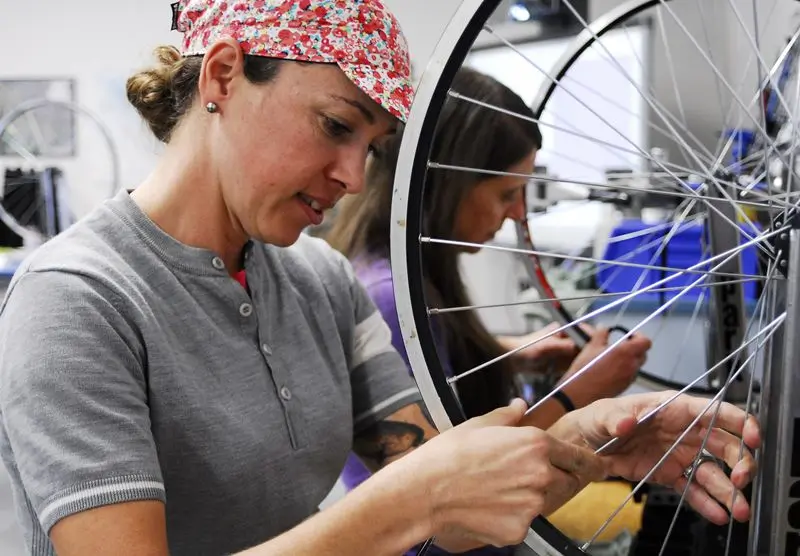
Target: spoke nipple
[
  {"x": 783, "y": 264},
  {"x": 784, "y": 236}
]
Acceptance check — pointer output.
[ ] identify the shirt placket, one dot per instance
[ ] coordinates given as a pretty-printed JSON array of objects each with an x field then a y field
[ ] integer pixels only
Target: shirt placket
[{"x": 262, "y": 332}]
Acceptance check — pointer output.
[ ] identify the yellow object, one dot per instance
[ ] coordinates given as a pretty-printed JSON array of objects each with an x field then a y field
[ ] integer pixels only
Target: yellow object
[
  {"x": 582, "y": 516},
  {"x": 749, "y": 212}
]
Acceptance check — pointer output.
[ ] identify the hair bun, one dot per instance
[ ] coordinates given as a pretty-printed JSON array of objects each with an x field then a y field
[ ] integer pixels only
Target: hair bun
[{"x": 151, "y": 92}]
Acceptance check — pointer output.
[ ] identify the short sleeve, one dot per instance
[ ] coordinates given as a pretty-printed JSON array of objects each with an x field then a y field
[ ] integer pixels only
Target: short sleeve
[
  {"x": 73, "y": 397},
  {"x": 381, "y": 291},
  {"x": 379, "y": 377}
]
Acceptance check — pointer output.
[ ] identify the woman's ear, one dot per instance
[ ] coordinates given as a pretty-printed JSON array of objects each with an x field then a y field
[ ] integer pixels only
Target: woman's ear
[{"x": 223, "y": 63}]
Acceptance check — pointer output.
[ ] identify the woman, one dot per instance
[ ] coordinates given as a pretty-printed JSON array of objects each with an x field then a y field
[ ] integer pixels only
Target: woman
[
  {"x": 471, "y": 208},
  {"x": 184, "y": 343}
]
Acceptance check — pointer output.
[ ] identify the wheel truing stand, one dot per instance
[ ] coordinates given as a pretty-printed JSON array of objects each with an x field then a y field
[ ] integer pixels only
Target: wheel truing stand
[
  {"x": 775, "y": 529},
  {"x": 727, "y": 308}
]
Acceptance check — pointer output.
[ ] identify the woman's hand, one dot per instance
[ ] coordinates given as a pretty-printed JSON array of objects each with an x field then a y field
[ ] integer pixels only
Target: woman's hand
[
  {"x": 610, "y": 375},
  {"x": 485, "y": 480},
  {"x": 641, "y": 447},
  {"x": 556, "y": 347}
]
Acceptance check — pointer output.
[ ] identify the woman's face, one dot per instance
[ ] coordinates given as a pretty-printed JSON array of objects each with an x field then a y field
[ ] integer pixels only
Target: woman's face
[
  {"x": 486, "y": 206},
  {"x": 288, "y": 150}
]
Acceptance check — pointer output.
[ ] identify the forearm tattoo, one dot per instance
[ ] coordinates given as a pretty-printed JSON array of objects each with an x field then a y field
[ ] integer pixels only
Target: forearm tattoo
[{"x": 387, "y": 440}]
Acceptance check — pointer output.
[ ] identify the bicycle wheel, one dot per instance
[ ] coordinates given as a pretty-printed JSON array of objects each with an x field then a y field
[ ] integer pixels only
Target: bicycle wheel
[
  {"x": 736, "y": 201},
  {"x": 45, "y": 193}
]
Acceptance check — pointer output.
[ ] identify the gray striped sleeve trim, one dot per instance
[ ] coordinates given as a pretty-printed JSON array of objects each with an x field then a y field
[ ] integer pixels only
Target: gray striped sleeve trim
[
  {"x": 387, "y": 407},
  {"x": 127, "y": 488},
  {"x": 372, "y": 338}
]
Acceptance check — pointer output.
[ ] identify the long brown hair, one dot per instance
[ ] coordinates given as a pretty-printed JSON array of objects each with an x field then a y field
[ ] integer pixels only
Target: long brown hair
[{"x": 467, "y": 135}]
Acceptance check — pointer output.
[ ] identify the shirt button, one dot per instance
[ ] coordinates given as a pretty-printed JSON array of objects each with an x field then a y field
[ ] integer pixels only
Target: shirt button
[
  {"x": 286, "y": 394},
  {"x": 218, "y": 263},
  {"x": 245, "y": 309}
]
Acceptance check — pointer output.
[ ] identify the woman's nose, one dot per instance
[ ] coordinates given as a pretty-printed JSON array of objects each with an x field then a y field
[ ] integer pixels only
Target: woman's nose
[
  {"x": 517, "y": 210},
  {"x": 349, "y": 170}
]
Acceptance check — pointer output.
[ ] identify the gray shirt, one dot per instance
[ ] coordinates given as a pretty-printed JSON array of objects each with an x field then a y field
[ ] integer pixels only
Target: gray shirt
[{"x": 133, "y": 367}]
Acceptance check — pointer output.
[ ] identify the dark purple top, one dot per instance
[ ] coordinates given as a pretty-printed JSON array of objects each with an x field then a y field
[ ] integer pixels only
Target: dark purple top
[{"x": 376, "y": 277}]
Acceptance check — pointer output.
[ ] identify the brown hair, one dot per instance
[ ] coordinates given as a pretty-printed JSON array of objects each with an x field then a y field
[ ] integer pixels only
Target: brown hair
[
  {"x": 164, "y": 93},
  {"x": 467, "y": 135}
]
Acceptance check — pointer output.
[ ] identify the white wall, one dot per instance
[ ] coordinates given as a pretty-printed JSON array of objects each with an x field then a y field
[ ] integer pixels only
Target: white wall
[{"x": 423, "y": 22}]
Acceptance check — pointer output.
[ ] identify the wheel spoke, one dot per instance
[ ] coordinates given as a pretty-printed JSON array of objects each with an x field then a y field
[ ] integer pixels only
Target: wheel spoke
[
  {"x": 594, "y": 185},
  {"x": 520, "y": 251},
  {"x": 602, "y": 295}
]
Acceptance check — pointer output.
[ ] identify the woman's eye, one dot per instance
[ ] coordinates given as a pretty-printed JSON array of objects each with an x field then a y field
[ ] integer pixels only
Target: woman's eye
[{"x": 336, "y": 128}]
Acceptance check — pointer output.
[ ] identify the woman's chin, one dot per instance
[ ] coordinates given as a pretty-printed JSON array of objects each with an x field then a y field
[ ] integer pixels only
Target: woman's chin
[{"x": 285, "y": 237}]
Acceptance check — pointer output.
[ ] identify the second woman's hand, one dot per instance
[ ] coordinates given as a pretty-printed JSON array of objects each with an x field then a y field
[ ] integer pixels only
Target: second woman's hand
[
  {"x": 542, "y": 344},
  {"x": 611, "y": 374}
]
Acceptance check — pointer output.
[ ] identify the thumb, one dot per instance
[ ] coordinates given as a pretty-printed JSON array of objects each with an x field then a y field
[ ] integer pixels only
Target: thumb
[
  {"x": 507, "y": 416},
  {"x": 615, "y": 421},
  {"x": 565, "y": 345},
  {"x": 600, "y": 337}
]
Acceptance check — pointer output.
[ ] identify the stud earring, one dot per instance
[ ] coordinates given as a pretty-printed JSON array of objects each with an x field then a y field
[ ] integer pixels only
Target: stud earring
[{"x": 211, "y": 107}]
